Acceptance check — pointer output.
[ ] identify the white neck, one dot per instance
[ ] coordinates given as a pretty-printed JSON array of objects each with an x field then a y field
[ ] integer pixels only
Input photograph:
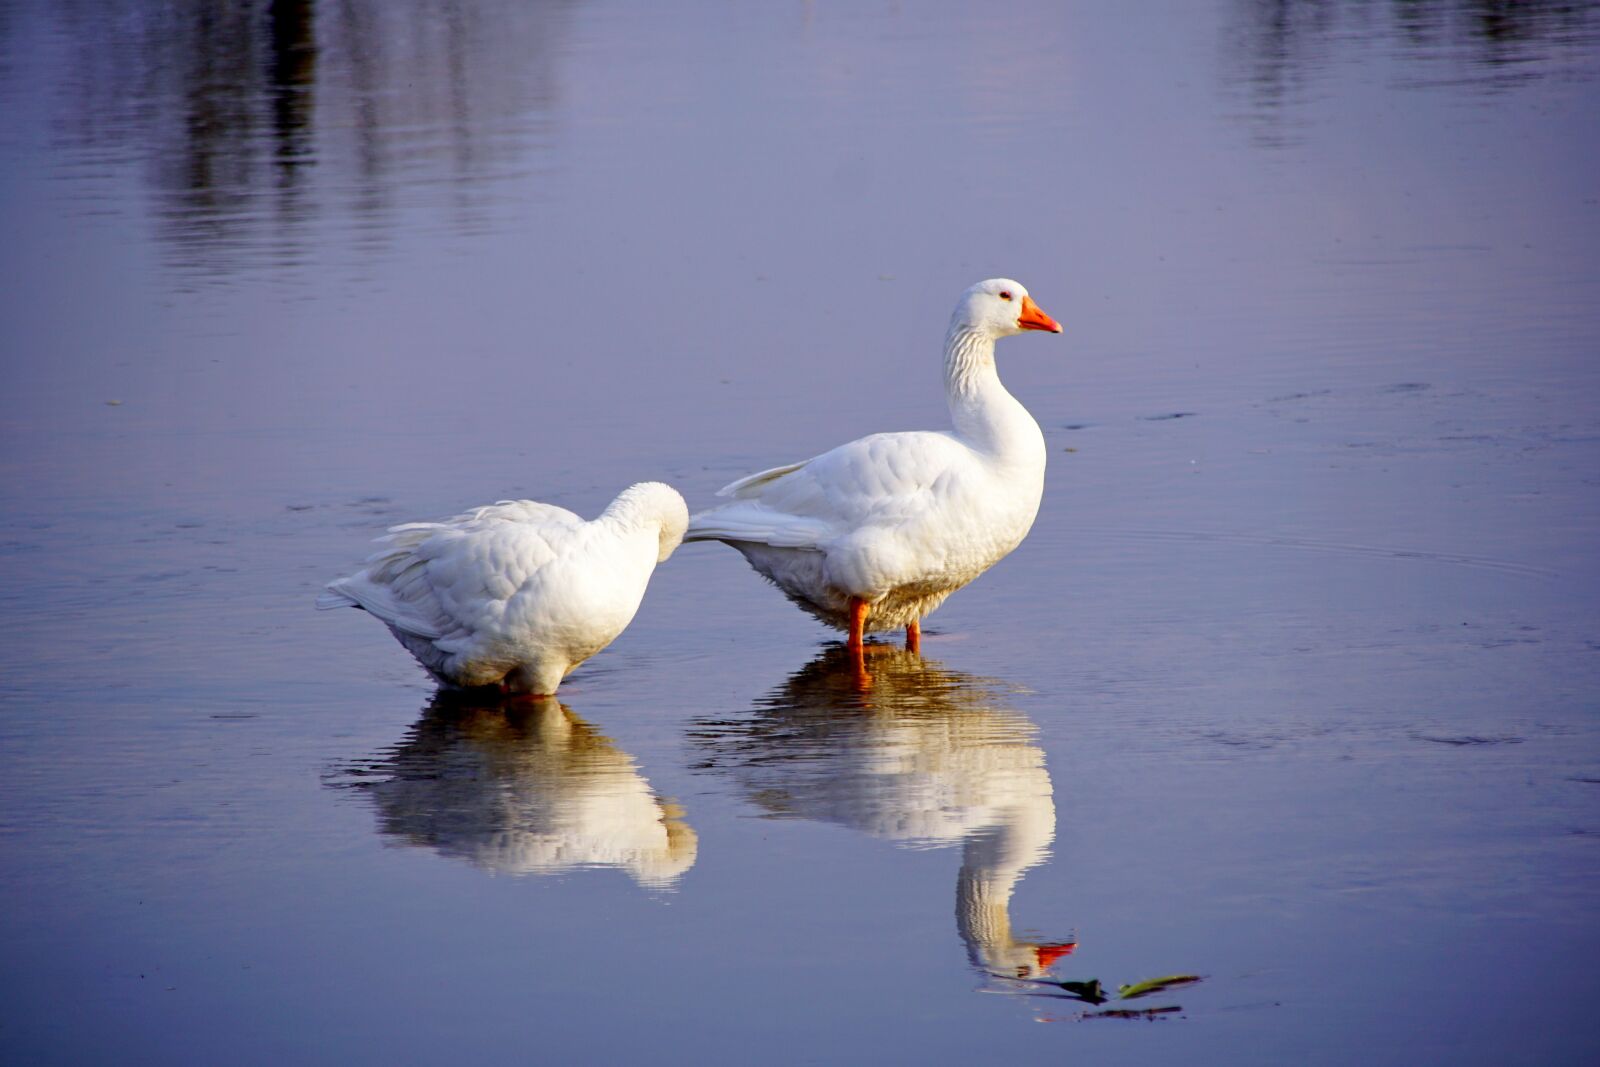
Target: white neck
[
  {"x": 644, "y": 504},
  {"x": 985, "y": 416},
  {"x": 650, "y": 506},
  {"x": 630, "y": 511},
  {"x": 983, "y": 905}
]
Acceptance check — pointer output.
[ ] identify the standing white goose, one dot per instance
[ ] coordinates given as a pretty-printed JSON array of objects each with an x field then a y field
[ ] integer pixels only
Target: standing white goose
[
  {"x": 518, "y": 593},
  {"x": 876, "y": 533}
]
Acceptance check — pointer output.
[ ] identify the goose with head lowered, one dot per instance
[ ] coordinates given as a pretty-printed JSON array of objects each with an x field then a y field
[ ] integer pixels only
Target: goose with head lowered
[
  {"x": 876, "y": 533},
  {"x": 516, "y": 594}
]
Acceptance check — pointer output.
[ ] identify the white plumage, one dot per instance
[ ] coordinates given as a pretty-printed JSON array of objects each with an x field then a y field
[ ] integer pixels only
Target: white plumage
[
  {"x": 876, "y": 533},
  {"x": 532, "y": 789},
  {"x": 923, "y": 757},
  {"x": 518, "y": 593}
]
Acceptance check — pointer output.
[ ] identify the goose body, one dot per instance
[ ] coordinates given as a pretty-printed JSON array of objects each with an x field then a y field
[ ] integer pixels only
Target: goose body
[
  {"x": 875, "y": 534},
  {"x": 516, "y": 594},
  {"x": 924, "y": 757},
  {"x": 527, "y": 789}
]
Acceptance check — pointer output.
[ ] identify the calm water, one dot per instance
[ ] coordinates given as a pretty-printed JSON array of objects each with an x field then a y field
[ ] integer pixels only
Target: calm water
[{"x": 1294, "y": 685}]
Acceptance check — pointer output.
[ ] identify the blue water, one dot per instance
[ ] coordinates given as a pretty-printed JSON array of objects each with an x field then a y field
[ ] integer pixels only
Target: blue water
[{"x": 1293, "y": 686}]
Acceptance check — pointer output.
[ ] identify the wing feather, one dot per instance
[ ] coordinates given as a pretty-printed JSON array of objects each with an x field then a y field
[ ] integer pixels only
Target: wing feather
[
  {"x": 884, "y": 479},
  {"x": 447, "y": 581},
  {"x": 750, "y": 484}
]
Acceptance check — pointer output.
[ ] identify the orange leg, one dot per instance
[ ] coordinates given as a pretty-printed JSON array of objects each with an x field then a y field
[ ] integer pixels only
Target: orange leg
[
  {"x": 858, "y": 624},
  {"x": 858, "y": 642},
  {"x": 914, "y": 636}
]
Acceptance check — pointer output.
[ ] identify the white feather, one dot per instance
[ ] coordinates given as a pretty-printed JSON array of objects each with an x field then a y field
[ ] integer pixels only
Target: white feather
[
  {"x": 901, "y": 520},
  {"x": 518, "y": 593}
]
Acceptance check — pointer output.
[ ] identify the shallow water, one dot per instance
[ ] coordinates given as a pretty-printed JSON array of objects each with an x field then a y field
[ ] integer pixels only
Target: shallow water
[{"x": 1293, "y": 685}]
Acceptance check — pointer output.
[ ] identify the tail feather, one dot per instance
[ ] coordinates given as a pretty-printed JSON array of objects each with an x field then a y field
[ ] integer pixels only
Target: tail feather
[
  {"x": 739, "y": 522},
  {"x": 331, "y": 598},
  {"x": 387, "y": 602},
  {"x": 745, "y": 486}
]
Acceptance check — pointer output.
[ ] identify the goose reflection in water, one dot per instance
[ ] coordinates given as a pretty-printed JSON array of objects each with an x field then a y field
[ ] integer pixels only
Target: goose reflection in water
[
  {"x": 524, "y": 786},
  {"x": 924, "y": 756}
]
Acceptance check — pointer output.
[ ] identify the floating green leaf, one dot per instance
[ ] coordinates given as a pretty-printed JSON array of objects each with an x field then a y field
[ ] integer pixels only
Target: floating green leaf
[
  {"x": 1155, "y": 985},
  {"x": 1090, "y": 992}
]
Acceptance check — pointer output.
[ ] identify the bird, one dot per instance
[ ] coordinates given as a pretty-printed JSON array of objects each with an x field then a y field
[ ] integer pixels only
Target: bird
[
  {"x": 524, "y": 787},
  {"x": 927, "y": 757},
  {"x": 876, "y": 533},
  {"x": 516, "y": 594}
]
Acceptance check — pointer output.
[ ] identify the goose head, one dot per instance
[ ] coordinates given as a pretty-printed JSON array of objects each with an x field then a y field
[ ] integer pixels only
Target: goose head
[
  {"x": 658, "y": 503},
  {"x": 1000, "y": 307}
]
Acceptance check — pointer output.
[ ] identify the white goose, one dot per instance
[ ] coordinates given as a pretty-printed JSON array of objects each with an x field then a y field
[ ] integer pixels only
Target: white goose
[
  {"x": 518, "y": 593},
  {"x": 924, "y": 757},
  {"x": 876, "y": 533},
  {"x": 532, "y": 789}
]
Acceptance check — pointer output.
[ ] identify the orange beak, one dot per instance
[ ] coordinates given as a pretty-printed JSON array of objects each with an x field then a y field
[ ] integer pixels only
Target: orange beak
[
  {"x": 1048, "y": 954},
  {"x": 1034, "y": 318}
]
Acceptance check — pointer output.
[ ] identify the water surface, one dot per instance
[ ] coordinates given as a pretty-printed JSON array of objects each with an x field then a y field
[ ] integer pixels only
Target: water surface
[{"x": 1293, "y": 685}]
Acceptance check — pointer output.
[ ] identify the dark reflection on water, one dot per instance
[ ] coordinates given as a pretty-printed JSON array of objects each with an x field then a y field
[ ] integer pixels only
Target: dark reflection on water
[
  {"x": 522, "y": 787},
  {"x": 267, "y": 131},
  {"x": 920, "y": 755},
  {"x": 1277, "y": 51},
  {"x": 262, "y": 129}
]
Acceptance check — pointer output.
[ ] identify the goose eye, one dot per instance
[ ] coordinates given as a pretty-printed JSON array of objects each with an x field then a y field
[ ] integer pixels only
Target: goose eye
[{"x": 1005, "y": 294}]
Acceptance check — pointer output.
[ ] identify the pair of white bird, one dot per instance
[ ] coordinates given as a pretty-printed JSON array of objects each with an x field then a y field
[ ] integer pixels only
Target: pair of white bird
[{"x": 870, "y": 536}]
